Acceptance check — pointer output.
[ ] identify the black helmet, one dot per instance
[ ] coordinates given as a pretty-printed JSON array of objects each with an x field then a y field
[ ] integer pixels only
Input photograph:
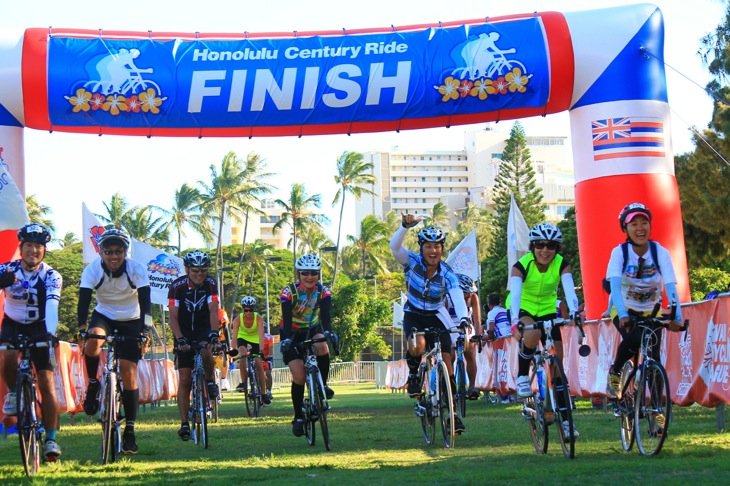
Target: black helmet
[
  {"x": 114, "y": 236},
  {"x": 196, "y": 258},
  {"x": 34, "y": 232}
]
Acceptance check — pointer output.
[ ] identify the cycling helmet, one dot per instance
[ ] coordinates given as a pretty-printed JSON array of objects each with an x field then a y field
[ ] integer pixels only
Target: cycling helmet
[
  {"x": 547, "y": 232},
  {"x": 248, "y": 301},
  {"x": 308, "y": 262},
  {"x": 113, "y": 236},
  {"x": 196, "y": 258},
  {"x": 467, "y": 284},
  {"x": 34, "y": 232},
  {"x": 432, "y": 234},
  {"x": 631, "y": 210}
]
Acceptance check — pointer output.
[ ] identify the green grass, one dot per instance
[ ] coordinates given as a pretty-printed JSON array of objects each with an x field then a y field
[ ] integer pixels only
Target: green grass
[{"x": 376, "y": 439}]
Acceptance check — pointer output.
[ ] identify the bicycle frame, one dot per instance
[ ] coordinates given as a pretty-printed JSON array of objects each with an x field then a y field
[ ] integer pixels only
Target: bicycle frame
[
  {"x": 315, "y": 405},
  {"x": 200, "y": 407}
]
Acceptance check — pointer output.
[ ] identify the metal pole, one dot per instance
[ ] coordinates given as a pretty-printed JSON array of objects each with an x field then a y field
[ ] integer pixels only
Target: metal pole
[{"x": 268, "y": 317}]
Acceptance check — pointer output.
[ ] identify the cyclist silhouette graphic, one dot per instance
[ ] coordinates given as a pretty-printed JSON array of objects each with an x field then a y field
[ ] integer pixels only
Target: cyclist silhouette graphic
[
  {"x": 483, "y": 58},
  {"x": 118, "y": 73}
]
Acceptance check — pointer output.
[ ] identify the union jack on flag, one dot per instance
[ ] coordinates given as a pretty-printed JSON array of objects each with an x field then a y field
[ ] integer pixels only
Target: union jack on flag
[{"x": 627, "y": 137}]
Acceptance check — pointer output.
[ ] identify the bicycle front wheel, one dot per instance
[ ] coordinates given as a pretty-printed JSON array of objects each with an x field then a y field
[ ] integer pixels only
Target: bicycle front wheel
[
  {"x": 203, "y": 411},
  {"x": 533, "y": 409},
  {"x": 310, "y": 411},
  {"x": 625, "y": 406},
  {"x": 445, "y": 405},
  {"x": 460, "y": 373},
  {"x": 653, "y": 408},
  {"x": 562, "y": 406},
  {"x": 322, "y": 407},
  {"x": 424, "y": 407},
  {"x": 28, "y": 434},
  {"x": 109, "y": 431}
]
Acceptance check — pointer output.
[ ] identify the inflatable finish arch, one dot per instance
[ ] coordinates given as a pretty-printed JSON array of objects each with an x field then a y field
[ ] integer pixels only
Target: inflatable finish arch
[{"x": 604, "y": 66}]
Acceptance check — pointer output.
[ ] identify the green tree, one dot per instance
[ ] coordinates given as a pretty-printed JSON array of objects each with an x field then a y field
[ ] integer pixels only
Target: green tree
[
  {"x": 37, "y": 212},
  {"x": 354, "y": 174},
  {"x": 299, "y": 211},
  {"x": 471, "y": 219},
  {"x": 439, "y": 216},
  {"x": 255, "y": 260},
  {"x": 117, "y": 212},
  {"x": 516, "y": 176},
  {"x": 143, "y": 225},
  {"x": 69, "y": 263},
  {"x": 185, "y": 213},
  {"x": 69, "y": 239},
  {"x": 372, "y": 245},
  {"x": 355, "y": 318},
  {"x": 704, "y": 280},
  {"x": 570, "y": 245}
]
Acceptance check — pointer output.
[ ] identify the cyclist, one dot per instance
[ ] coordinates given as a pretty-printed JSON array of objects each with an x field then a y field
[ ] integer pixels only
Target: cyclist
[
  {"x": 123, "y": 304},
  {"x": 305, "y": 314},
  {"x": 193, "y": 303},
  {"x": 32, "y": 294},
  {"x": 498, "y": 327},
  {"x": 248, "y": 327},
  {"x": 268, "y": 363},
  {"x": 636, "y": 278},
  {"x": 533, "y": 295},
  {"x": 471, "y": 298},
  {"x": 221, "y": 360},
  {"x": 428, "y": 280}
]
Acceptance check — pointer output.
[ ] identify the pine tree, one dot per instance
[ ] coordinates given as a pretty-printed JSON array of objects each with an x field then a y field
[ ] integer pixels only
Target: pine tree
[{"x": 516, "y": 176}]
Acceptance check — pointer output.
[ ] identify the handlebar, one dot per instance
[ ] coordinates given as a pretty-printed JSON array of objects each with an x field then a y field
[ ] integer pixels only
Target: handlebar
[
  {"x": 111, "y": 338},
  {"x": 653, "y": 321},
  {"x": 25, "y": 342},
  {"x": 584, "y": 350}
]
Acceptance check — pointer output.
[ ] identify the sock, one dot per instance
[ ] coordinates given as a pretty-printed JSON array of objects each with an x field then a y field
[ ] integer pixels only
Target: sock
[
  {"x": 524, "y": 359},
  {"x": 323, "y": 362},
  {"x": 413, "y": 363},
  {"x": 297, "y": 398},
  {"x": 130, "y": 401},
  {"x": 50, "y": 434},
  {"x": 92, "y": 366}
]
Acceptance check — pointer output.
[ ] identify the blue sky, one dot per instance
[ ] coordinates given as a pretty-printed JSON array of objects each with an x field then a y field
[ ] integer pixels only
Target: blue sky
[{"x": 64, "y": 170}]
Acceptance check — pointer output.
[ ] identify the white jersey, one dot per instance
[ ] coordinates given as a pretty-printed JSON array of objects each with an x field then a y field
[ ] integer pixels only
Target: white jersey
[
  {"x": 498, "y": 315},
  {"x": 35, "y": 296},
  {"x": 116, "y": 297}
]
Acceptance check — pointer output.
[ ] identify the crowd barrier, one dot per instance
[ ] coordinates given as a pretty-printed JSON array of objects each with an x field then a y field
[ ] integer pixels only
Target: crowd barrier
[
  {"x": 697, "y": 364},
  {"x": 157, "y": 379}
]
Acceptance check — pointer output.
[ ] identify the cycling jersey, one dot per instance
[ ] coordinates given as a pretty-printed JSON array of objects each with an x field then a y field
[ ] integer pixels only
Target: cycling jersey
[
  {"x": 116, "y": 292},
  {"x": 250, "y": 334},
  {"x": 498, "y": 316},
  {"x": 539, "y": 290},
  {"x": 192, "y": 303},
  {"x": 304, "y": 311},
  {"x": 35, "y": 296},
  {"x": 268, "y": 345}
]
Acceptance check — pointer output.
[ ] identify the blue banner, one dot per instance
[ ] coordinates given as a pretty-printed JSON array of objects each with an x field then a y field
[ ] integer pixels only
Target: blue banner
[{"x": 296, "y": 81}]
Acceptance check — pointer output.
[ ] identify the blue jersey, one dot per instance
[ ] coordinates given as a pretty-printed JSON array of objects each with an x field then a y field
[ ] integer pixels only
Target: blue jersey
[{"x": 427, "y": 295}]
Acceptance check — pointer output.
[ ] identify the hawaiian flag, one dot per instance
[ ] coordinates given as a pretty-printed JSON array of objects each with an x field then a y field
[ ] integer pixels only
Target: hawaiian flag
[{"x": 628, "y": 137}]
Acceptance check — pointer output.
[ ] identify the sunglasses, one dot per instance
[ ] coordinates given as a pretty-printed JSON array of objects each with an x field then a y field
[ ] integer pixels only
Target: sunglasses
[
  {"x": 247, "y": 310},
  {"x": 113, "y": 252},
  {"x": 550, "y": 245},
  {"x": 308, "y": 273},
  {"x": 198, "y": 270}
]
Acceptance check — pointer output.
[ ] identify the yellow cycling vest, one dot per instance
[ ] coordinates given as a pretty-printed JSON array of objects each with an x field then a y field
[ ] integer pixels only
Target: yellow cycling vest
[
  {"x": 539, "y": 290},
  {"x": 249, "y": 334}
]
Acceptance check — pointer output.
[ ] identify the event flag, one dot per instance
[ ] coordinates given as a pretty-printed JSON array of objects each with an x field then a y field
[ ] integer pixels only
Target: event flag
[
  {"x": 14, "y": 214},
  {"x": 92, "y": 230},
  {"x": 464, "y": 259},
  {"x": 162, "y": 269},
  {"x": 518, "y": 236}
]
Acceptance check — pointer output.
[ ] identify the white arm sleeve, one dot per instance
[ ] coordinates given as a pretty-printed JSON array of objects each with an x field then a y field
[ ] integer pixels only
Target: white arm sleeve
[
  {"x": 571, "y": 297},
  {"x": 396, "y": 246},
  {"x": 457, "y": 298},
  {"x": 515, "y": 289},
  {"x": 52, "y": 316}
]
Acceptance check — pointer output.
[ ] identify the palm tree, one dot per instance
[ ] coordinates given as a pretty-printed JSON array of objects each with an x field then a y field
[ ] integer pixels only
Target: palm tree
[
  {"x": 118, "y": 211},
  {"x": 299, "y": 213},
  {"x": 142, "y": 225},
  {"x": 37, "y": 212},
  {"x": 68, "y": 240},
  {"x": 352, "y": 173},
  {"x": 439, "y": 216},
  {"x": 311, "y": 239},
  {"x": 372, "y": 244},
  {"x": 256, "y": 260},
  {"x": 185, "y": 212},
  {"x": 224, "y": 197}
]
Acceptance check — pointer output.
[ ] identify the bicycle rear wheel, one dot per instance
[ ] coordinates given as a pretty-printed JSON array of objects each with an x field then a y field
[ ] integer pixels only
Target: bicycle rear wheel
[
  {"x": 109, "y": 431},
  {"x": 653, "y": 408},
  {"x": 310, "y": 411},
  {"x": 533, "y": 409},
  {"x": 28, "y": 433},
  {"x": 625, "y": 406},
  {"x": 322, "y": 411},
  {"x": 424, "y": 407},
  {"x": 562, "y": 406},
  {"x": 460, "y": 373},
  {"x": 445, "y": 405}
]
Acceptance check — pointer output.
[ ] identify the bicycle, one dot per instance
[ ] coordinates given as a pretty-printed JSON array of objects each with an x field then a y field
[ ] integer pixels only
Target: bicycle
[
  {"x": 644, "y": 394},
  {"x": 315, "y": 405},
  {"x": 550, "y": 402},
  {"x": 461, "y": 394},
  {"x": 222, "y": 348},
  {"x": 29, "y": 425},
  {"x": 110, "y": 414},
  {"x": 251, "y": 384},
  {"x": 436, "y": 401}
]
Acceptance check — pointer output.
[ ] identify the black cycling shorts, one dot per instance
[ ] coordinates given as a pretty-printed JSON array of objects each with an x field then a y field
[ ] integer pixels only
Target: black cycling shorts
[
  {"x": 184, "y": 359},
  {"x": 129, "y": 350},
  {"x": 554, "y": 332},
  {"x": 294, "y": 351},
  {"x": 40, "y": 357},
  {"x": 242, "y": 343},
  {"x": 419, "y": 322}
]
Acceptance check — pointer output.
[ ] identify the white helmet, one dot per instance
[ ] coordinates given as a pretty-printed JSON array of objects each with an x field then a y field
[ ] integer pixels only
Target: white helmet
[
  {"x": 248, "y": 301},
  {"x": 546, "y": 232},
  {"x": 308, "y": 262}
]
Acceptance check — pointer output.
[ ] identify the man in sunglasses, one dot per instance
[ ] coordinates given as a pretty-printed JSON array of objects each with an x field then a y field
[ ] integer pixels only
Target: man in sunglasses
[
  {"x": 305, "y": 313},
  {"x": 193, "y": 304},
  {"x": 533, "y": 285},
  {"x": 32, "y": 294},
  {"x": 248, "y": 328},
  {"x": 123, "y": 304}
]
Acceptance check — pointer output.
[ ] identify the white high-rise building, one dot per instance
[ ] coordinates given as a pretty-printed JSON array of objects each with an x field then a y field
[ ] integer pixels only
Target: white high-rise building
[
  {"x": 413, "y": 182},
  {"x": 261, "y": 227}
]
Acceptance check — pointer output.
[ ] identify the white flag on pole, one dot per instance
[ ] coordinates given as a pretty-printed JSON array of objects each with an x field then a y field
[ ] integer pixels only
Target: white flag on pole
[
  {"x": 162, "y": 269},
  {"x": 92, "y": 231},
  {"x": 397, "y": 315},
  {"x": 13, "y": 213},
  {"x": 518, "y": 236},
  {"x": 464, "y": 258}
]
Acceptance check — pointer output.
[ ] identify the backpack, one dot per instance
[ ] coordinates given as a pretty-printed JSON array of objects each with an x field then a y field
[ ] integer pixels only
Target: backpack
[{"x": 625, "y": 250}]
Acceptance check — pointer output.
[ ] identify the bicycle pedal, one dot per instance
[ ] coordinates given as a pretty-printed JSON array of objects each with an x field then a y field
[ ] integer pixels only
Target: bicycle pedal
[{"x": 50, "y": 459}]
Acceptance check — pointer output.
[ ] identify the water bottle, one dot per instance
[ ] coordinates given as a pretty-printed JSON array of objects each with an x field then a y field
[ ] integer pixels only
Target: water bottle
[
  {"x": 433, "y": 380},
  {"x": 540, "y": 383}
]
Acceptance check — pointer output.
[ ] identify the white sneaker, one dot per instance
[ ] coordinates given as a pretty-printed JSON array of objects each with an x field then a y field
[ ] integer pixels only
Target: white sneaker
[
  {"x": 225, "y": 386},
  {"x": 566, "y": 430},
  {"x": 10, "y": 407},
  {"x": 524, "y": 389}
]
